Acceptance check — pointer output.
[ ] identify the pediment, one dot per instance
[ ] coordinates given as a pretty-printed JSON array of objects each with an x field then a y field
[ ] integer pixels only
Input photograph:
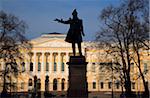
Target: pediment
[{"x": 53, "y": 43}]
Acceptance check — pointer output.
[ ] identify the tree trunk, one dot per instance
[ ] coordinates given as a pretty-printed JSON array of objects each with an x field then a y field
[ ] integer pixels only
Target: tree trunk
[
  {"x": 146, "y": 90},
  {"x": 4, "y": 82},
  {"x": 128, "y": 82}
]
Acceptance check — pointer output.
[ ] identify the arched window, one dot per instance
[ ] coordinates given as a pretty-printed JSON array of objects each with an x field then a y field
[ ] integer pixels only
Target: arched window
[
  {"x": 62, "y": 63},
  {"x": 47, "y": 83},
  {"x": 46, "y": 60},
  {"x": 39, "y": 84},
  {"x": 31, "y": 66},
  {"x": 94, "y": 85},
  {"x": 39, "y": 66},
  {"x": 62, "y": 67},
  {"x": 93, "y": 67},
  {"x": 132, "y": 67},
  {"x": 47, "y": 66},
  {"x": 63, "y": 84},
  {"x": 23, "y": 67},
  {"x": 55, "y": 66},
  {"x": 102, "y": 85},
  {"x": 133, "y": 85},
  {"x": 109, "y": 85},
  {"x": 55, "y": 84},
  {"x": 30, "y": 82},
  {"x": 145, "y": 67},
  {"x": 117, "y": 84}
]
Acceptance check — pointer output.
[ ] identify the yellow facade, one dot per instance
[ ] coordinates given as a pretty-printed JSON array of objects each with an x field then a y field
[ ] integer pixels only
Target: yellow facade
[{"x": 48, "y": 57}]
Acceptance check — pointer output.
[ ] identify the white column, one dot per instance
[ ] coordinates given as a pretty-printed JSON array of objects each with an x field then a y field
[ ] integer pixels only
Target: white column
[
  {"x": 67, "y": 60},
  {"x": 67, "y": 56},
  {"x": 66, "y": 70},
  {"x": 34, "y": 63},
  {"x": 51, "y": 63},
  {"x": 42, "y": 64},
  {"x": 59, "y": 70},
  {"x": 59, "y": 84},
  {"x": 59, "y": 63}
]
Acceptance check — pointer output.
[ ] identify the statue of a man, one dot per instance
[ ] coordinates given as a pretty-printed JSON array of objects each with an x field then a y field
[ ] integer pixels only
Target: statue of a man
[{"x": 75, "y": 31}]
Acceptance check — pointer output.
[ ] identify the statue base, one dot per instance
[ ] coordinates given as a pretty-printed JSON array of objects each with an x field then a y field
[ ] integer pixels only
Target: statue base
[{"x": 78, "y": 87}]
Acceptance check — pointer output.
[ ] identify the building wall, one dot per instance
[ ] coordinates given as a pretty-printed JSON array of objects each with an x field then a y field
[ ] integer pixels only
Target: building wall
[{"x": 52, "y": 49}]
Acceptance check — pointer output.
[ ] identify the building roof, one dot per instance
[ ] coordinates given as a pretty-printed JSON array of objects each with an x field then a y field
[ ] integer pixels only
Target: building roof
[{"x": 54, "y": 33}]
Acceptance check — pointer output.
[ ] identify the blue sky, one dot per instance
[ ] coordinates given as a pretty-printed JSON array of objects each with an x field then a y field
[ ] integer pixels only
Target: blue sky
[{"x": 39, "y": 14}]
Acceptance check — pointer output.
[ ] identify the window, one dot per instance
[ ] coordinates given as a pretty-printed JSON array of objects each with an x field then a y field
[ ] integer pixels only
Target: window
[
  {"x": 22, "y": 85},
  {"x": 63, "y": 84},
  {"x": 102, "y": 85},
  {"x": 94, "y": 85},
  {"x": 39, "y": 84},
  {"x": 55, "y": 66},
  {"x": 14, "y": 86},
  {"x": 30, "y": 82},
  {"x": 35, "y": 80},
  {"x": 55, "y": 84},
  {"x": 117, "y": 85},
  {"x": 133, "y": 85},
  {"x": 146, "y": 83},
  {"x": 132, "y": 67},
  {"x": 109, "y": 85},
  {"x": 62, "y": 63},
  {"x": 145, "y": 67},
  {"x": 62, "y": 67},
  {"x": 31, "y": 66},
  {"x": 23, "y": 67},
  {"x": 93, "y": 67},
  {"x": 39, "y": 66},
  {"x": 47, "y": 66},
  {"x": 47, "y": 83}
]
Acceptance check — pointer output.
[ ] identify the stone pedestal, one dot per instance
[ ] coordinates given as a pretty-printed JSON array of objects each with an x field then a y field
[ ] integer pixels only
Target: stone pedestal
[{"x": 78, "y": 87}]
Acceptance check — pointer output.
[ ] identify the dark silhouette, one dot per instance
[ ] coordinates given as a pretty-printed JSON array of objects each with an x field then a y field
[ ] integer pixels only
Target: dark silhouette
[
  {"x": 75, "y": 31},
  {"x": 127, "y": 27},
  {"x": 12, "y": 40}
]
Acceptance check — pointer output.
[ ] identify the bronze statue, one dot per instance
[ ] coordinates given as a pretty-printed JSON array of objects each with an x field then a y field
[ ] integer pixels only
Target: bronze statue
[{"x": 75, "y": 32}]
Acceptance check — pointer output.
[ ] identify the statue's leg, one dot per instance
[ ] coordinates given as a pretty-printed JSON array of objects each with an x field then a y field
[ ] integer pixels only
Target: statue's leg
[
  {"x": 79, "y": 47},
  {"x": 73, "y": 48}
]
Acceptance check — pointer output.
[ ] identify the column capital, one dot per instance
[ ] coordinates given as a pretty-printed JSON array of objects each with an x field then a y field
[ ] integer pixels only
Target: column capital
[{"x": 46, "y": 53}]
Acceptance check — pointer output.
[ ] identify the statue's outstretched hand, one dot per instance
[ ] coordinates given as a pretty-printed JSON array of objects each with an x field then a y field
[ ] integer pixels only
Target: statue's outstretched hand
[
  {"x": 56, "y": 19},
  {"x": 59, "y": 20}
]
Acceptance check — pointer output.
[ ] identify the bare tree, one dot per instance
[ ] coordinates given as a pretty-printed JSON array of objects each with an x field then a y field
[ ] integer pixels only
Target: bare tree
[
  {"x": 140, "y": 41},
  {"x": 12, "y": 43},
  {"x": 119, "y": 33}
]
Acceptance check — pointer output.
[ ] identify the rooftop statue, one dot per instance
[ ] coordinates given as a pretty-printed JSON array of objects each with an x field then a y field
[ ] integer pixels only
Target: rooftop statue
[{"x": 75, "y": 31}]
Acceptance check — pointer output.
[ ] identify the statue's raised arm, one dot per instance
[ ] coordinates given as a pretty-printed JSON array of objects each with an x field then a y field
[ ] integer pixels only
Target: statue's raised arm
[{"x": 62, "y": 21}]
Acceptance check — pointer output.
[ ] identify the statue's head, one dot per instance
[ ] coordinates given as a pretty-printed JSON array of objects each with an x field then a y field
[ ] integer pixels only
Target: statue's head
[{"x": 74, "y": 13}]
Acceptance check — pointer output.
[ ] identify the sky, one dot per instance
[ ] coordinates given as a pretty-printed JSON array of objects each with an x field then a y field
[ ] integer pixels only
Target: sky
[{"x": 39, "y": 14}]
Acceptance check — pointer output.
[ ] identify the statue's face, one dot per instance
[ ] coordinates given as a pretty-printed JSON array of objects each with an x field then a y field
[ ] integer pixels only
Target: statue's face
[{"x": 74, "y": 15}]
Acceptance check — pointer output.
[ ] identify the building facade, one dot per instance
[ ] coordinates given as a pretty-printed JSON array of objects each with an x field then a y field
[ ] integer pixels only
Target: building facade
[{"x": 47, "y": 62}]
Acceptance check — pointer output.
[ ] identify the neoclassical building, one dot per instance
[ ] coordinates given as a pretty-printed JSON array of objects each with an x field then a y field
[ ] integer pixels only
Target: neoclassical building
[{"x": 47, "y": 62}]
